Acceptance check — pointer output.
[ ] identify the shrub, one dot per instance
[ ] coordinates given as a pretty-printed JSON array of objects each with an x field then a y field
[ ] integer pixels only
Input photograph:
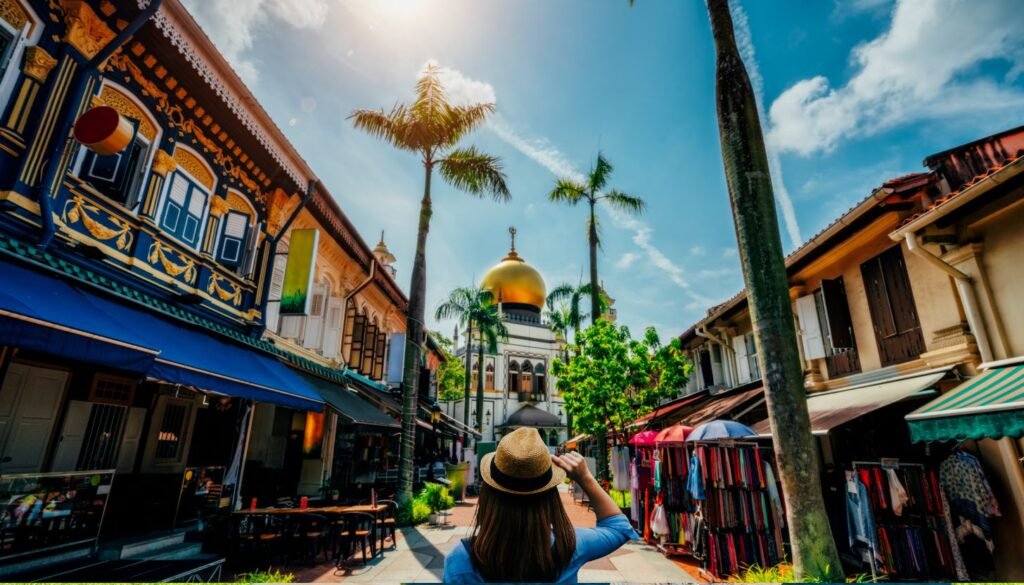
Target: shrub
[
  {"x": 436, "y": 496},
  {"x": 268, "y": 576},
  {"x": 420, "y": 512}
]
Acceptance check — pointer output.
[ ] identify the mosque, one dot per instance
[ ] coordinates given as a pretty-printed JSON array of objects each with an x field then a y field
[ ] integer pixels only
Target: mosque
[{"x": 519, "y": 389}]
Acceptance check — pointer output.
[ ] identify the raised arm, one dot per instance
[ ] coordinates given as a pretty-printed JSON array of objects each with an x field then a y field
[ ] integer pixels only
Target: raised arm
[{"x": 576, "y": 468}]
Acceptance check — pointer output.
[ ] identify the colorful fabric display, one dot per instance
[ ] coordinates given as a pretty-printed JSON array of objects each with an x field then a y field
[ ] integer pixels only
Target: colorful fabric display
[{"x": 970, "y": 497}]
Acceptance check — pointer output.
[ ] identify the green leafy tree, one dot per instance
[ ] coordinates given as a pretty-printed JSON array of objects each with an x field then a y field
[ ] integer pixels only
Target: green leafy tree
[
  {"x": 450, "y": 374},
  {"x": 613, "y": 379},
  {"x": 431, "y": 128},
  {"x": 592, "y": 192}
]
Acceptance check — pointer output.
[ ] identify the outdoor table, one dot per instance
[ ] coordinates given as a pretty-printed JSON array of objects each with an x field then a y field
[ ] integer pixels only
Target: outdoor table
[{"x": 375, "y": 511}]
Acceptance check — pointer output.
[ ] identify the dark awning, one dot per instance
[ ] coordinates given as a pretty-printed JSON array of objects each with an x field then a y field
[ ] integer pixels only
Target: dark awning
[
  {"x": 664, "y": 411},
  {"x": 531, "y": 416},
  {"x": 349, "y": 404},
  {"x": 988, "y": 406},
  {"x": 723, "y": 405},
  {"x": 43, "y": 313}
]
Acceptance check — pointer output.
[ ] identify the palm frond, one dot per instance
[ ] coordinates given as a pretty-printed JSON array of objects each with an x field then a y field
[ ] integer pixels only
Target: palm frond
[
  {"x": 599, "y": 175},
  {"x": 560, "y": 293},
  {"x": 461, "y": 120},
  {"x": 567, "y": 191},
  {"x": 431, "y": 98},
  {"x": 477, "y": 173},
  {"x": 458, "y": 305},
  {"x": 624, "y": 202},
  {"x": 391, "y": 127}
]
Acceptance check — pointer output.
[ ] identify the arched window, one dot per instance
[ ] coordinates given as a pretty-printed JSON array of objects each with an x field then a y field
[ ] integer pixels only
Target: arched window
[
  {"x": 513, "y": 376},
  {"x": 489, "y": 376},
  {"x": 369, "y": 345},
  {"x": 122, "y": 176},
  {"x": 526, "y": 379},
  {"x": 473, "y": 377},
  {"x": 236, "y": 246},
  {"x": 539, "y": 387},
  {"x": 187, "y": 196},
  {"x": 355, "y": 353}
]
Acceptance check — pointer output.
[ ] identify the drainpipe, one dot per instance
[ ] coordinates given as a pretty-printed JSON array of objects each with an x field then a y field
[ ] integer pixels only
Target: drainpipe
[
  {"x": 272, "y": 250},
  {"x": 49, "y": 177},
  {"x": 727, "y": 365},
  {"x": 975, "y": 320}
]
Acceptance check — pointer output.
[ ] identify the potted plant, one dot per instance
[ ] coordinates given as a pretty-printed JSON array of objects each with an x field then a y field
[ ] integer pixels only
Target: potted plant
[{"x": 437, "y": 498}]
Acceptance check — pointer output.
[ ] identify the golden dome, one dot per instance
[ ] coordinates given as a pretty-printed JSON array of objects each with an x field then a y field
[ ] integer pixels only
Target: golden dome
[{"x": 514, "y": 281}]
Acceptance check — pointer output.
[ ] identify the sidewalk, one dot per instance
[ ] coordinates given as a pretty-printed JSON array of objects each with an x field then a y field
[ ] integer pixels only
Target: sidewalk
[{"x": 419, "y": 556}]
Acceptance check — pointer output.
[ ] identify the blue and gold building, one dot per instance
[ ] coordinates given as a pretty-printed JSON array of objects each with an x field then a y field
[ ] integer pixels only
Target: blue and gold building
[{"x": 140, "y": 341}]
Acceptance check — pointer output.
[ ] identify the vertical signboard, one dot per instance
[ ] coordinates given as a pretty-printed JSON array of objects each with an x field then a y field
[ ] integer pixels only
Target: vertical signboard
[{"x": 298, "y": 274}]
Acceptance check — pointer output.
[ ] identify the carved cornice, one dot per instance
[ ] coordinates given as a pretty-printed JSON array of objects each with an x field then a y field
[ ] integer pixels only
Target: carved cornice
[
  {"x": 164, "y": 163},
  {"x": 38, "y": 63},
  {"x": 129, "y": 109},
  {"x": 86, "y": 31},
  {"x": 218, "y": 206}
]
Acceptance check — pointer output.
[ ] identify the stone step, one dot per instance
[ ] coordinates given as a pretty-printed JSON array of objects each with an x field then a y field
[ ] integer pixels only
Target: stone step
[{"x": 141, "y": 547}]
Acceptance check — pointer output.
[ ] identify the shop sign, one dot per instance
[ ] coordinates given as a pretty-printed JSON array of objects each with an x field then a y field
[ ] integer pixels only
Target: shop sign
[{"x": 298, "y": 274}]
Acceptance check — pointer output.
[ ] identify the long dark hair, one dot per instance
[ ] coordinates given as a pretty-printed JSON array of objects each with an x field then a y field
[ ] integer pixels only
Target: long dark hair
[{"x": 511, "y": 539}]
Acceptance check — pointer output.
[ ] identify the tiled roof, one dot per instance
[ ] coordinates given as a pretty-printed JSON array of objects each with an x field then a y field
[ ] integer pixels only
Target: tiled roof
[
  {"x": 956, "y": 193},
  {"x": 48, "y": 261}
]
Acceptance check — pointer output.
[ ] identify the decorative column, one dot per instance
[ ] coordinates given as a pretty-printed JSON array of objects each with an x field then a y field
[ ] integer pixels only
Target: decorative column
[
  {"x": 218, "y": 207},
  {"x": 36, "y": 67},
  {"x": 163, "y": 165}
]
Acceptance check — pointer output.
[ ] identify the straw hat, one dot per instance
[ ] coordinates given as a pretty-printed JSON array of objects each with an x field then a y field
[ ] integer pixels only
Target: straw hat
[{"x": 521, "y": 465}]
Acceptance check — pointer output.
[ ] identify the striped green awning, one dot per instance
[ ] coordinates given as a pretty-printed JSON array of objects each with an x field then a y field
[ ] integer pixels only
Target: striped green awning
[{"x": 988, "y": 406}]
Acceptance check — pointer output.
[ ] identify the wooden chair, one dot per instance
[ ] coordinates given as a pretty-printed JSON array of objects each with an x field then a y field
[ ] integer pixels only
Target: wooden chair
[
  {"x": 386, "y": 522},
  {"x": 308, "y": 536},
  {"x": 261, "y": 537},
  {"x": 358, "y": 528}
]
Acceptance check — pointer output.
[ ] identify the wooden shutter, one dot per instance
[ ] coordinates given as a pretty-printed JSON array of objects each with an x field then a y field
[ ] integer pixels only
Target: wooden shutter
[
  {"x": 312, "y": 336},
  {"x": 878, "y": 298},
  {"x": 810, "y": 328},
  {"x": 752, "y": 363},
  {"x": 249, "y": 260},
  {"x": 332, "y": 330},
  {"x": 901, "y": 297},
  {"x": 274, "y": 295},
  {"x": 739, "y": 345},
  {"x": 233, "y": 239},
  {"x": 369, "y": 345},
  {"x": 837, "y": 312},
  {"x": 291, "y": 326},
  {"x": 355, "y": 354},
  {"x": 72, "y": 435},
  {"x": 346, "y": 335},
  {"x": 378, "y": 355},
  {"x": 133, "y": 428}
]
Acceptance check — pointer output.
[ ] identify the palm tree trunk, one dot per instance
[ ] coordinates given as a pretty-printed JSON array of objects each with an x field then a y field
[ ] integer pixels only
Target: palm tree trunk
[
  {"x": 595, "y": 292},
  {"x": 480, "y": 386},
  {"x": 469, "y": 376},
  {"x": 764, "y": 270},
  {"x": 413, "y": 340}
]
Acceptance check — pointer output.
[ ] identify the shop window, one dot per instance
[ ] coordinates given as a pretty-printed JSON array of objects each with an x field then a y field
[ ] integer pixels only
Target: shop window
[
  {"x": 112, "y": 390},
  {"x": 893, "y": 311},
  {"x": 170, "y": 439},
  {"x": 184, "y": 209},
  {"x": 119, "y": 176},
  {"x": 102, "y": 437},
  {"x": 234, "y": 240}
]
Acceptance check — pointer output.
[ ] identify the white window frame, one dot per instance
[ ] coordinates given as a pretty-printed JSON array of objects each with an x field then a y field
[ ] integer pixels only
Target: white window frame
[
  {"x": 21, "y": 40},
  {"x": 166, "y": 193}
]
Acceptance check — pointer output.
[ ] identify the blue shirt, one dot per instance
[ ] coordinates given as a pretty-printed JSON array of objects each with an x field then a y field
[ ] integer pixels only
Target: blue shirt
[{"x": 591, "y": 544}]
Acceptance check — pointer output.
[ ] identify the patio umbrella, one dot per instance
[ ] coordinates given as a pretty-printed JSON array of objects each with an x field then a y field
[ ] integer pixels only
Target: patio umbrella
[
  {"x": 720, "y": 429},
  {"x": 643, "y": 439},
  {"x": 673, "y": 435}
]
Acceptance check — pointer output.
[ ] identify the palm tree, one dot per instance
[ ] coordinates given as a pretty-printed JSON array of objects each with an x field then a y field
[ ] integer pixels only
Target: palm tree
[
  {"x": 431, "y": 127},
  {"x": 571, "y": 297},
  {"x": 760, "y": 245},
  {"x": 462, "y": 304},
  {"x": 490, "y": 329},
  {"x": 593, "y": 192}
]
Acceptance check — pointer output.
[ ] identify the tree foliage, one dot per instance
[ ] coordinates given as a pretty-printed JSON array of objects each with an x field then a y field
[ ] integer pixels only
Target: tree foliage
[
  {"x": 613, "y": 379},
  {"x": 451, "y": 376}
]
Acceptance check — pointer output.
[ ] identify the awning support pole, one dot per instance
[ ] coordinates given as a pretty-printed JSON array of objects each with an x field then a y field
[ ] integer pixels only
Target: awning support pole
[
  {"x": 964, "y": 286},
  {"x": 57, "y": 156}
]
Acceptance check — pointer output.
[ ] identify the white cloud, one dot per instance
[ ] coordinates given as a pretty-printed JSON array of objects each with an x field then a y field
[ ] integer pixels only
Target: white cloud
[
  {"x": 464, "y": 90},
  {"x": 231, "y": 24},
  {"x": 698, "y": 251},
  {"x": 626, "y": 260},
  {"x": 924, "y": 67},
  {"x": 745, "y": 43}
]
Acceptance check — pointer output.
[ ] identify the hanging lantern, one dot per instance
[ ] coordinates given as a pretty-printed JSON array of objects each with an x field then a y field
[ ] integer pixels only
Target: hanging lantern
[{"x": 104, "y": 131}]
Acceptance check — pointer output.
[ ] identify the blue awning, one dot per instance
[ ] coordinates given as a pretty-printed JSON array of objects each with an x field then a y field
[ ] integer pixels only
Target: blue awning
[{"x": 43, "y": 313}]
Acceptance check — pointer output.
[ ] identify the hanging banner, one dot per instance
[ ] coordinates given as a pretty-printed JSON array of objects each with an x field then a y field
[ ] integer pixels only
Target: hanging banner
[{"x": 298, "y": 274}]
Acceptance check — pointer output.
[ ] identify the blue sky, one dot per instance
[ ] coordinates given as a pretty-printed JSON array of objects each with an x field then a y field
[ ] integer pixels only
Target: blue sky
[{"x": 853, "y": 92}]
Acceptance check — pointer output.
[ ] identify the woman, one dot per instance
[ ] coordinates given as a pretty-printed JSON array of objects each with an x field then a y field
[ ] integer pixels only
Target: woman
[{"x": 521, "y": 532}]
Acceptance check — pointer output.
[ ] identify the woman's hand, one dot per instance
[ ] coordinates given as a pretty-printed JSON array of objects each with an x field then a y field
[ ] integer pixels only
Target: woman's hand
[{"x": 574, "y": 465}]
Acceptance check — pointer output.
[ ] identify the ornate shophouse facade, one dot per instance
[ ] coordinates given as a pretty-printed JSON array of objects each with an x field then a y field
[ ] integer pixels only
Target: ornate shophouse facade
[{"x": 141, "y": 345}]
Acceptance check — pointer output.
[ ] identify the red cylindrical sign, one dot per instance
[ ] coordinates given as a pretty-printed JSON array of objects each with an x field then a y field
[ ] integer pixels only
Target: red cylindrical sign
[{"x": 103, "y": 130}]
